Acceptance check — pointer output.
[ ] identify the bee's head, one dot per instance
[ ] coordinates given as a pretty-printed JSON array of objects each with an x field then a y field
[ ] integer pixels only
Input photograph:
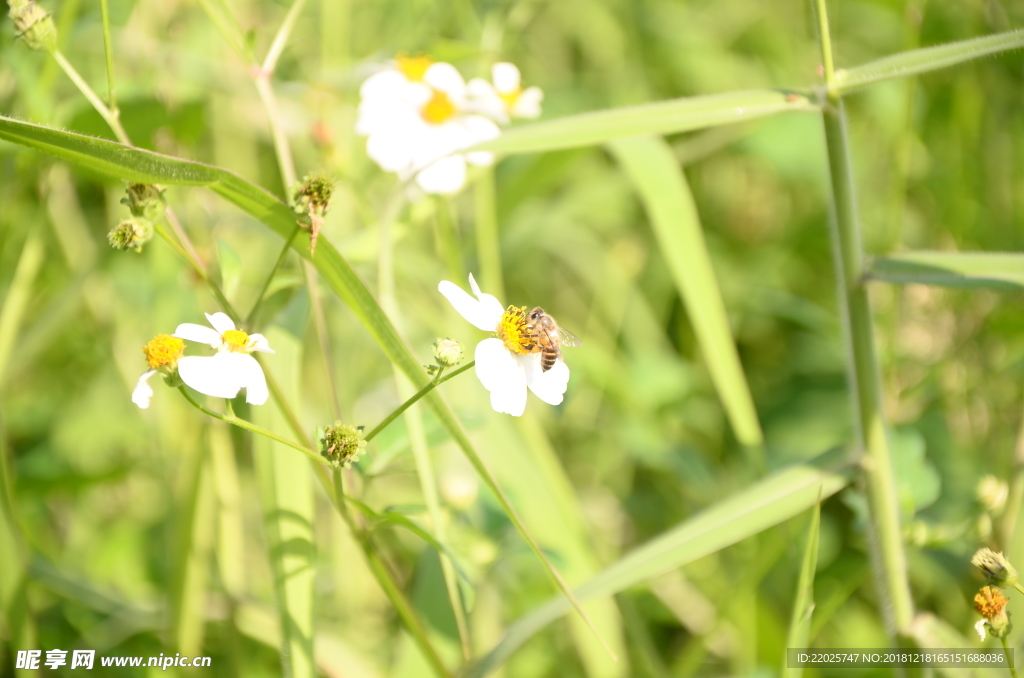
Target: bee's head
[{"x": 536, "y": 314}]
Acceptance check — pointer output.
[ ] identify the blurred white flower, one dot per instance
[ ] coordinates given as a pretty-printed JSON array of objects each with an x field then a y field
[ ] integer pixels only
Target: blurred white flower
[
  {"x": 504, "y": 98},
  {"x": 416, "y": 118},
  {"x": 231, "y": 369},
  {"x": 504, "y": 363}
]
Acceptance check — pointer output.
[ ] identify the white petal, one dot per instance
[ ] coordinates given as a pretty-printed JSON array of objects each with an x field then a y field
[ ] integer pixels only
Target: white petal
[
  {"x": 477, "y": 129},
  {"x": 527, "y": 104},
  {"x": 255, "y": 383},
  {"x": 443, "y": 177},
  {"x": 218, "y": 375},
  {"x": 143, "y": 391},
  {"x": 549, "y": 386},
  {"x": 484, "y": 99},
  {"x": 385, "y": 85},
  {"x": 479, "y": 313},
  {"x": 506, "y": 77},
  {"x": 502, "y": 375},
  {"x": 392, "y": 152},
  {"x": 257, "y": 342},
  {"x": 446, "y": 78},
  {"x": 199, "y": 334},
  {"x": 980, "y": 628},
  {"x": 220, "y": 322}
]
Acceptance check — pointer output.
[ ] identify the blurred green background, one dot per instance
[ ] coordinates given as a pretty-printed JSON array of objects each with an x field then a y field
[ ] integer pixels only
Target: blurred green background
[{"x": 121, "y": 544}]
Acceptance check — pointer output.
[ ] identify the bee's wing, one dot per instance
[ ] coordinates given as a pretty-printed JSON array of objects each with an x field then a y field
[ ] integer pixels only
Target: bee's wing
[{"x": 567, "y": 338}]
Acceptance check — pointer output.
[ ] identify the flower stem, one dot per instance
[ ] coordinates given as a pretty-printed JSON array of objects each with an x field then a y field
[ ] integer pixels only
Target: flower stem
[
  {"x": 438, "y": 380},
  {"x": 270, "y": 277},
  {"x": 105, "y": 14},
  {"x": 865, "y": 383},
  {"x": 1009, "y": 661},
  {"x": 197, "y": 267},
  {"x": 110, "y": 116},
  {"x": 249, "y": 426},
  {"x": 488, "y": 250}
]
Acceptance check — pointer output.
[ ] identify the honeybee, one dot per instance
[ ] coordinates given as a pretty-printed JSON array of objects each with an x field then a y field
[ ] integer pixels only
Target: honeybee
[{"x": 548, "y": 337}]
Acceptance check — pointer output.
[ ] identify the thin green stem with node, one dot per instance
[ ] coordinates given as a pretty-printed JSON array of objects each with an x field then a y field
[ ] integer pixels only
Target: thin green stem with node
[
  {"x": 437, "y": 381},
  {"x": 863, "y": 374},
  {"x": 109, "y": 116},
  {"x": 234, "y": 420}
]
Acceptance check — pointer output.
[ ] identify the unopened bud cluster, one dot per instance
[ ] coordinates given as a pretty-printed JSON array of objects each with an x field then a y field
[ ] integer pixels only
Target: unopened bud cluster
[
  {"x": 146, "y": 203},
  {"x": 996, "y": 569},
  {"x": 33, "y": 25},
  {"x": 447, "y": 353},
  {"x": 312, "y": 199},
  {"x": 341, "y": 444}
]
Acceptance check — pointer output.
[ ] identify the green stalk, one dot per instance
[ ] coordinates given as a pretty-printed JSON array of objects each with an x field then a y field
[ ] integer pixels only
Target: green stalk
[
  {"x": 488, "y": 249},
  {"x": 438, "y": 380},
  {"x": 108, "y": 49},
  {"x": 270, "y": 278},
  {"x": 863, "y": 373},
  {"x": 108, "y": 115},
  {"x": 380, "y": 571},
  {"x": 249, "y": 426},
  {"x": 1009, "y": 661}
]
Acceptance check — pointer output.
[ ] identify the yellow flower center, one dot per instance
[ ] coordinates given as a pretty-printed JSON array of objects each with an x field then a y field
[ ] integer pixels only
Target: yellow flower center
[
  {"x": 236, "y": 340},
  {"x": 413, "y": 68},
  {"x": 510, "y": 98},
  {"x": 163, "y": 351},
  {"x": 515, "y": 331},
  {"x": 438, "y": 109},
  {"x": 990, "y": 602}
]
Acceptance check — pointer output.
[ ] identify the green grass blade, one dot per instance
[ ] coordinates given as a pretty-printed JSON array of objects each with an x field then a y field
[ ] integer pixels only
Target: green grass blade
[
  {"x": 17, "y": 297},
  {"x": 133, "y": 164},
  {"x": 287, "y": 490},
  {"x": 194, "y": 544},
  {"x": 662, "y": 117},
  {"x": 917, "y": 61},
  {"x": 800, "y": 625},
  {"x": 969, "y": 270},
  {"x": 655, "y": 173},
  {"x": 769, "y": 502}
]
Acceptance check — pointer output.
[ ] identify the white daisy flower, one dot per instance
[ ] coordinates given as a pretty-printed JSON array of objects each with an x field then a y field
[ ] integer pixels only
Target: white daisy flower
[
  {"x": 416, "y": 117},
  {"x": 162, "y": 355},
  {"x": 231, "y": 369},
  {"x": 504, "y": 98},
  {"x": 505, "y": 363}
]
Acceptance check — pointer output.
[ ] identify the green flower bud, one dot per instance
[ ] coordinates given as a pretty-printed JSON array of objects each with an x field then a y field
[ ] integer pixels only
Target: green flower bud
[
  {"x": 131, "y": 234},
  {"x": 447, "y": 352},
  {"x": 341, "y": 444},
  {"x": 145, "y": 200},
  {"x": 995, "y": 567},
  {"x": 34, "y": 25},
  {"x": 313, "y": 196}
]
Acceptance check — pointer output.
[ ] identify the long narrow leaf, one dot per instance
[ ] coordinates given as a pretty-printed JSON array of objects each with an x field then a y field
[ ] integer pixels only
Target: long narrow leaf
[
  {"x": 652, "y": 167},
  {"x": 662, "y": 117},
  {"x": 800, "y": 626},
  {"x": 970, "y": 270},
  {"x": 917, "y": 61},
  {"x": 769, "y": 502},
  {"x": 138, "y": 165}
]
